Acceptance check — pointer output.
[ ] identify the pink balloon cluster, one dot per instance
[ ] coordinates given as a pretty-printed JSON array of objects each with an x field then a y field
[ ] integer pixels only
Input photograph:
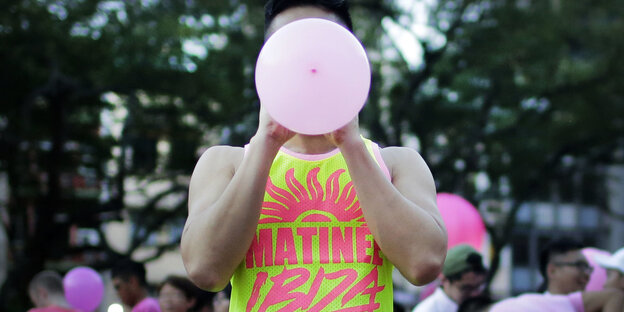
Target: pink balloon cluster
[
  {"x": 463, "y": 221},
  {"x": 84, "y": 288},
  {"x": 312, "y": 76}
]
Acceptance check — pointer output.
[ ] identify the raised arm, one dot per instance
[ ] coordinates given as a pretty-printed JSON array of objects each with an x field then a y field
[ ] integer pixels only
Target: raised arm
[
  {"x": 401, "y": 214},
  {"x": 225, "y": 198},
  {"x": 606, "y": 300}
]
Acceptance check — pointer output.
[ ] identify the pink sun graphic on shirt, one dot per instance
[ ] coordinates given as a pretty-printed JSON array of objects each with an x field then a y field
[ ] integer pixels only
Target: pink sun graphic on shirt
[{"x": 312, "y": 202}]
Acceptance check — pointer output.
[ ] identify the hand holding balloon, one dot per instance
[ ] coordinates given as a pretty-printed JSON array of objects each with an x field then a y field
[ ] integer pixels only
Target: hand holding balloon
[
  {"x": 349, "y": 133},
  {"x": 313, "y": 76},
  {"x": 272, "y": 130}
]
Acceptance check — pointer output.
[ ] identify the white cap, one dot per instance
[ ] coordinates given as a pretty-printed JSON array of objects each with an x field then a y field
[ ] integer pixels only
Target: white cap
[{"x": 614, "y": 262}]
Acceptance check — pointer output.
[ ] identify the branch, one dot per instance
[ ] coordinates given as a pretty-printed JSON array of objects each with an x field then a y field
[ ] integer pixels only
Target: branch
[
  {"x": 375, "y": 7},
  {"x": 430, "y": 59},
  {"x": 161, "y": 249},
  {"x": 137, "y": 239}
]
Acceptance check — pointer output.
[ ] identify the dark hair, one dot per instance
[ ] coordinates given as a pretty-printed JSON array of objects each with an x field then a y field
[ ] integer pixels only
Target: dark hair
[
  {"x": 476, "y": 304},
  {"x": 182, "y": 283},
  {"x": 338, "y": 7},
  {"x": 205, "y": 299},
  {"x": 127, "y": 268},
  {"x": 554, "y": 248},
  {"x": 475, "y": 264},
  {"x": 49, "y": 280}
]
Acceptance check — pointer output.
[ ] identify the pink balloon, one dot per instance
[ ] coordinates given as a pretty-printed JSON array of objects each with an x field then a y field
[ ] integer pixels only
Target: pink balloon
[
  {"x": 599, "y": 275},
  {"x": 463, "y": 221},
  {"x": 84, "y": 288},
  {"x": 313, "y": 76}
]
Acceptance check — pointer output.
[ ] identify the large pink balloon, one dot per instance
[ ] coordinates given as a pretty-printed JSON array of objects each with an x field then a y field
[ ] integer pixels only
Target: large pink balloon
[
  {"x": 463, "y": 221},
  {"x": 313, "y": 76},
  {"x": 84, "y": 288},
  {"x": 599, "y": 275}
]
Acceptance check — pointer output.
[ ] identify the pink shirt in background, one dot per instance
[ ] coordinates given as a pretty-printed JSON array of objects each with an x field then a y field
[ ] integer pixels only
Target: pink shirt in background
[
  {"x": 147, "y": 305},
  {"x": 52, "y": 308},
  {"x": 541, "y": 303}
]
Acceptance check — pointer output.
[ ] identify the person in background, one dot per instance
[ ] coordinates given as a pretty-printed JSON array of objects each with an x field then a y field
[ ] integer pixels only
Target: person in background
[
  {"x": 463, "y": 277},
  {"x": 566, "y": 273},
  {"x": 481, "y": 303},
  {"x": 221, "y": 302},
  {"x": 131, "y": 286},
  {"x": 607, "y": 300},
  {"x": 205, "y": 301},
  {"x": 214, "y": 301},
  {"x": 178, "y": 294},
  {"x": 564, "y": 267},
  {"x": 47, "y": 294}
]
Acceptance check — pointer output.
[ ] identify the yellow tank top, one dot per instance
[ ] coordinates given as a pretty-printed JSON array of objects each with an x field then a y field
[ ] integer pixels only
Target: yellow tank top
[{"x": 313, "y": 250}]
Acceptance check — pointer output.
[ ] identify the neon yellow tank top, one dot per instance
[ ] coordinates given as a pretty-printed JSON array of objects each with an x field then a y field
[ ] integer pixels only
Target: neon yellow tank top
[{"x": 313, "y": 250}]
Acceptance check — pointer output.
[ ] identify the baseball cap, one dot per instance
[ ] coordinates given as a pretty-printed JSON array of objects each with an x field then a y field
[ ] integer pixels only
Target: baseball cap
[
  {"x": 460, "y": 258},
  {"x": 614, "y": 262}
]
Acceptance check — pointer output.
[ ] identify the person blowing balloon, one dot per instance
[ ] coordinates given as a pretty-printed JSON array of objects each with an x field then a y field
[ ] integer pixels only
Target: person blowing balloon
[{"x": 311, "y": 222}]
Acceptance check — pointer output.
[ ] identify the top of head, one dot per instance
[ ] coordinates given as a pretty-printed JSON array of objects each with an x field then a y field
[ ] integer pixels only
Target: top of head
[{"x": 280, "y": 12}]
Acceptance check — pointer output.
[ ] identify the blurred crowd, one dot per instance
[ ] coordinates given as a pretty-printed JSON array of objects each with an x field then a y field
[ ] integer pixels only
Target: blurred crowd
[
  {"x": 463, "y": 286},
  {"x": 174, "y": 294},
  {"x": 566, "y": 273}
]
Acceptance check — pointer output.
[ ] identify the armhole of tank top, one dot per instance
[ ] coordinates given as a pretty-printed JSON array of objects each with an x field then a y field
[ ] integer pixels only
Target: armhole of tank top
[{"x": 382, "y": 164}]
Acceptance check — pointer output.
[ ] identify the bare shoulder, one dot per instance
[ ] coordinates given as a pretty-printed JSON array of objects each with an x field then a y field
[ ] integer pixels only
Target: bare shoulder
[
  {"x": 216, "y": 164},
  {"x": 399, "y": 157},
  {"x": 411, "y": 176},
  {"x": 213, "y": 171},
  {"x": 220, "y": 157}
]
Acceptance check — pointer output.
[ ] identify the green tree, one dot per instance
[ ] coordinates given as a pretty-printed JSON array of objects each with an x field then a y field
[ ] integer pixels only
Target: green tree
[
  {"x": 525, "y": 94},
  {"x": 64, "y": 65},
  {"x": 98, "y": 95}
]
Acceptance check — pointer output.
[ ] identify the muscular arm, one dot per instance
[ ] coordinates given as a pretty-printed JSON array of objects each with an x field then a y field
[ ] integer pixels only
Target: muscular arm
[
  {"x": 402, "y": 214},
  {"x": 224, "y": 207},
  {"x": 225, "y": 198}
]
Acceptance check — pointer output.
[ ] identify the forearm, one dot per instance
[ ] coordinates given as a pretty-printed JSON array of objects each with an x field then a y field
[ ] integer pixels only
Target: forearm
[
  {"x": 606, "y": 300},
  {"x": 410, "y": 236},
  {"x": 216, "y": 238}
]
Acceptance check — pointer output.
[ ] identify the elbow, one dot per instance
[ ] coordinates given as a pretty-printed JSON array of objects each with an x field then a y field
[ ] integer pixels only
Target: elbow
[
  {"x": 424, "y": 272},
  {"x": 206, "y": 278},
  {"x": 202, "y": 273},
  {"x": 428, "y": 264},
  {"x": 427, "y": 267}
]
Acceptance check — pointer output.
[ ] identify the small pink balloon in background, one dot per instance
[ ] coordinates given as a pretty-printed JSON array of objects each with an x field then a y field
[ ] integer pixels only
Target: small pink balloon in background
[
  {"x": 313, "y": 76},
  {"x": 84, "y": 288},
  {"x": 464, "y": 224},
  {"x": 599, "y": 275}
]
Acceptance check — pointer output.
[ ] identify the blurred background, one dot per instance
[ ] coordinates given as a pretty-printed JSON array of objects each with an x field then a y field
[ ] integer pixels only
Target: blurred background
[{"x": 105, "y": 106}]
